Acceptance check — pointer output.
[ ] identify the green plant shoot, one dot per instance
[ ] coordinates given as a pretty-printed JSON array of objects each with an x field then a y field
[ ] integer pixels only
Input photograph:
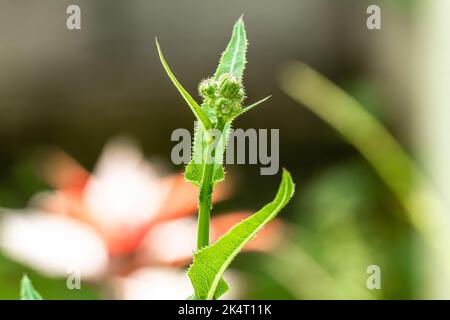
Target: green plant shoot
[
  {"x": 223, "y": 101},
  {"x": 27, "y": 291}
]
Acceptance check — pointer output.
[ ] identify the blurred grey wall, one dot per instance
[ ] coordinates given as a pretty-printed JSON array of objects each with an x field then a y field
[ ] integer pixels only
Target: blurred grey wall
[{"x": 76, "y": 88}]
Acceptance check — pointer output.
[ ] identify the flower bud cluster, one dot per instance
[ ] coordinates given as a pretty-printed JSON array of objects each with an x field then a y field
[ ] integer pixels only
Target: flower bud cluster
[{"x": 224, "y": 96}]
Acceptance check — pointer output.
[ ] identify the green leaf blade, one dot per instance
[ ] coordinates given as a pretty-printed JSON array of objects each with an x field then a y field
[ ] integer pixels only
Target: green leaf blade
[
  {"x": 211, "y": 262},
  {"x": 199, "y": 113},
  {"x": 233, "y": 59},
  {"x": 194, "y": 170},
  {"x": 250, "y": 107},
  {"x": 27, "y": 291},
  {"x": 222, "y": 288}
]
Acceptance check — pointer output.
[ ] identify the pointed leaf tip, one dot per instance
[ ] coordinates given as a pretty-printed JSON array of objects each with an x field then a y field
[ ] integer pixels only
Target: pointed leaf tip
[
  {"x": 233, "y": 59},
  {"x": 245, "y": 109},
  {"x": 27, "y": 291},
  {"x": 199, "y": 113}
]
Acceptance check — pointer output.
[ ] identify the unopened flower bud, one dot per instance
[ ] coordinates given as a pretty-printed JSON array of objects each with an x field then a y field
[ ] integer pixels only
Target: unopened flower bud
[
  {"x": 208, "y": 88},
  {"x": 223, "y": 106},
  {"x": 231, "y": 88}
]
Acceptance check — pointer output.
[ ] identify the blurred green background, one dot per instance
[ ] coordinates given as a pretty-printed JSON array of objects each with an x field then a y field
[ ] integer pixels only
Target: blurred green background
[{"x": 74, "y": 90}]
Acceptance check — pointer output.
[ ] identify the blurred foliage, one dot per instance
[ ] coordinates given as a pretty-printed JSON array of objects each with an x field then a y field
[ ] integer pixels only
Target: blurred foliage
[
  {"x": 343, "y": 227},
  {"x": 11, "y": 273},
  {"x": 18, "y": 183},
  {"x": 343, "y": 217},
  {"x": 403, "y": 6}
]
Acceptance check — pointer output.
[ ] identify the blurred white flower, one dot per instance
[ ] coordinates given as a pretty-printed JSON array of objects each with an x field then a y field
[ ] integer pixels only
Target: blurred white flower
[
  {"x": 51, "y": 243},
  {"x": 124, "y": 224},
  {"x": 159, "y": 283}
]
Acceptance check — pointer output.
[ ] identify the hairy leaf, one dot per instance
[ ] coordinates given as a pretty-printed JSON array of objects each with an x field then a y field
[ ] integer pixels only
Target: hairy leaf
[
  {"x": 222, "y": 288},
  {"x": 245, "y": 109},
  {"x": 196, "y": 109},
  {"x": 200, "y": 150},
  {"x": 27, "y": 292},
  {"x": 233, "y": 58},
  {"x": 210, "y": 262}
]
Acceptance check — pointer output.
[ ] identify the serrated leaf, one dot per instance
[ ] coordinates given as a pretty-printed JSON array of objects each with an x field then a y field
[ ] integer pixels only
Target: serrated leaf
[
  {"x": 27, "y": 292},
  {"x": 194, "y": 170},
  {"x": 211, "y": 262},
  {"x": 222, "y": 288},
  {"x": 233, "y": 58},
  {"x": 199, "y": 113}
]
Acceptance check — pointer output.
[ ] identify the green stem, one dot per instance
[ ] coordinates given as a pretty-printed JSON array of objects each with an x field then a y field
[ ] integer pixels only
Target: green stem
[
  {"x": 205, "y": 194},
  {"x": 204, "y": 206}
]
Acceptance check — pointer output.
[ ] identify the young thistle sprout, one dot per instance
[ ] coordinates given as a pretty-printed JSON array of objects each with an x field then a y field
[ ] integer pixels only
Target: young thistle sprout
[{"x": 223, "y": 97}]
